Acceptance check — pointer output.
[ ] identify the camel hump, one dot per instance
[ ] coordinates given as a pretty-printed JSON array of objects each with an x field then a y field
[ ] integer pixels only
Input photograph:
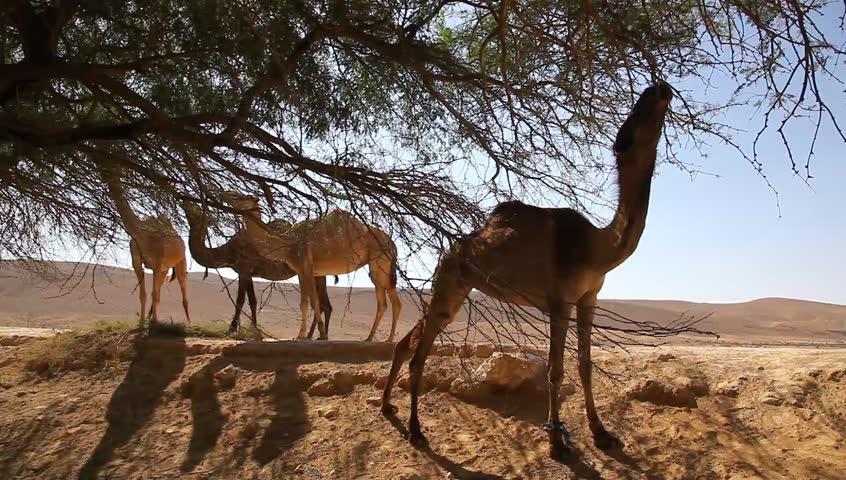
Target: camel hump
[
  {"x": 511, "y": 207},
  {"x": 160, "y": 224}
]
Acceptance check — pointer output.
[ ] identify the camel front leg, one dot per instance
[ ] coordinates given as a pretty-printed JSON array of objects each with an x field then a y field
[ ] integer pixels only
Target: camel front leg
[
  {"x": 402, "y": 352},
  {"x": 251, "y": 296},
  {"x": 601, "y": 437},
  {"x": 138, "y": 266},
  {"x": 158, "y": 280},
  {"x": 239, "y": 304},
  {"x": 559, "y": 322},
  {"x": 431, "y": 328},
  {"x": 182, "y": 278}
]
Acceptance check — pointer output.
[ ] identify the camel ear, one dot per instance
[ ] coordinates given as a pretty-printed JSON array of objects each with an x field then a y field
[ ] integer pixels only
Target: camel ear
[{"x": 268, "y": 196}]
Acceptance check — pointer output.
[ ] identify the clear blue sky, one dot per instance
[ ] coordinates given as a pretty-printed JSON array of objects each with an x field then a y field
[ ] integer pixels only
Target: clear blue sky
[{"x": 721, "y": 239}]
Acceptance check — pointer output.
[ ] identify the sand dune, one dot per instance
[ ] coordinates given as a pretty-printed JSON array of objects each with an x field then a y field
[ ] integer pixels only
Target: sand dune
[{"x": 75, "y": 296}]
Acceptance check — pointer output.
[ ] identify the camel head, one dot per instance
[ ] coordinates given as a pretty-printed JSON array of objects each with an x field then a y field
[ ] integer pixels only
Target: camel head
[
  {"x": 191, "y": 209},
  {"x": 637, "y": 139},
  {"x": 279, "y": 225},
  {"x": 240, "y": 201}
]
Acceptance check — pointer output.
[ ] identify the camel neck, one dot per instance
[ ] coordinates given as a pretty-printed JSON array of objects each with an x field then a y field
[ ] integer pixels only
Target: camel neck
[
  {"x": 622, "y": 235},
  {"x": 130, "y": 220},
  {"x": 209, "y": 257}
]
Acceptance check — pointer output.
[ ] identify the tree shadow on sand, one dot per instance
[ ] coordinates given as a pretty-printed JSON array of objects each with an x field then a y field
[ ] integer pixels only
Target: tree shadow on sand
[
  {"x": 135, "y": 399},
  {"x": 290, "y": 418},
  {"x": 581, "y": 469},
  {"x": 289, "y": 422}
]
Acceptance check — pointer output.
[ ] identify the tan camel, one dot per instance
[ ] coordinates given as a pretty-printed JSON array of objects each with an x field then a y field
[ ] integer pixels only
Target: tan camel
[
  {"x": 154, "y": 244},
  {"x": 332, "y": 245},
  {"x": 550, "y": 258},
  {"x": 239, "y": 254}
]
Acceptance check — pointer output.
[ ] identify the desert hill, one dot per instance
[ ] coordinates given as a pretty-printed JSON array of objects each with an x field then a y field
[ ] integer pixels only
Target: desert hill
[{"x": 67, "y": 295}]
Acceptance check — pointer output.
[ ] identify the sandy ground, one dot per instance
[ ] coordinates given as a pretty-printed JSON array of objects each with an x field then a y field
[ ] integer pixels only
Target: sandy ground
[
  {"x": 67, "y": 295},
  {"x": 774, "y": 412}
]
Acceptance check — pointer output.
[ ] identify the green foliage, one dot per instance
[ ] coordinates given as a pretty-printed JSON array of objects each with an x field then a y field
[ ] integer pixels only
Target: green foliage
[{"x": 417, "y": 115}]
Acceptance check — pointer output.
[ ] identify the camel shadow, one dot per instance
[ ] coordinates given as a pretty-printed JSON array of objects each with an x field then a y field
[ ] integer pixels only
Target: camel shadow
[
  {"x": 453, "y": 468},
  {"x": 289, "y": 422},
  {"x": 135, "y": 399},
  {"x": 531, "y": 409}
]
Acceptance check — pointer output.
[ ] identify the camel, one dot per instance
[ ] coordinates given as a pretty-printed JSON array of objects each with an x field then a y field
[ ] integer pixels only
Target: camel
[
  {"x": 335, "y": 244},
  {"x": 154, "y": 244},
  {"x": 549, "y": 258},
  {"x": 239, "y": 254}
]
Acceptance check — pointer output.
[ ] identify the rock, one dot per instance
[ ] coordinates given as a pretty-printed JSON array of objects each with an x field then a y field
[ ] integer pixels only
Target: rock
[
  {"x": 306, "y": 379},
  {"x": 761, "y": 367},
  {"x": 677, "y": 393},
  {"x": 727, "y": 389},
  {"x": 365, "y": 378},
  {"x": 484, "y": 350},
  {"x": 344, "y": 382},
  {"x": 443, "y": 350},
  {"x": 837, "y": 375},
  {"x": 814, "y": 372},
  {"x": 507, "y": 371},
  {"x": 225, "y": 377},
  {"x": 742, "y": 378},
  {"x": 408, "y": 476},
  {"x": 771, "y": 398},
  {"x": 374, "y": 401},
  {"x": 37, "y": 365},
  {"x": 469, "y": 389},
  {"x": 321, "y": 388},
  {"x": 666, "y": 357},
  {"x": 567, "y": 389},
  {"x": 328, "y": 413},
  {"x": 186, "y": 388}
]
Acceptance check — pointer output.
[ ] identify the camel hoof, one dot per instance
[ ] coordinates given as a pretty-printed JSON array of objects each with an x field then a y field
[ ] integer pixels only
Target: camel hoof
[
  {"x": 417, "y": 439},
  {"x": 322, "y": 338},
  {"x": 606, "y": 440},
  {"x": 389, "y": 409},
  {"x": 369, "y": 339},
  {"x": 390, "y": 340},
  {"x": 560, "y": 451}
]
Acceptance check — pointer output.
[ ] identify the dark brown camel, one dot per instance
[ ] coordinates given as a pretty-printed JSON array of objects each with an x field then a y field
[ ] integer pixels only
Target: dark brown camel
[
  {"x": 239, "y": 254},
  {"x": 550, "y": 258}
]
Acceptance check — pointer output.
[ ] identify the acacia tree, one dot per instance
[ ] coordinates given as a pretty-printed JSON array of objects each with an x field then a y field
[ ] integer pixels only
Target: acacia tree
[{"x": 415, "y": 115}]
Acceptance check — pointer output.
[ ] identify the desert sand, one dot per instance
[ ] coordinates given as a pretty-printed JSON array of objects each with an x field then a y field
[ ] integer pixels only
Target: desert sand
[
  {"x": 77, "y": 296},
  {"x": 769, "y": 402}
]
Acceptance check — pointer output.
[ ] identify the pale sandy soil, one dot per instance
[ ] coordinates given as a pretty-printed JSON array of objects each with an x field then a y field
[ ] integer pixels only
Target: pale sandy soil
[
  {"x": 160, "y": 414},
  {"x": 107, "y": 293}
]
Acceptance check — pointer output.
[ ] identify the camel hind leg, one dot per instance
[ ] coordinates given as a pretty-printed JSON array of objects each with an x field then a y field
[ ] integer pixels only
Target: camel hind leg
[
  {"x": 325, "y": 305},
  {"x": 383, "y": 275},
  {"x": 138, "y": 267},
  {"x": 181, "y": 271}
]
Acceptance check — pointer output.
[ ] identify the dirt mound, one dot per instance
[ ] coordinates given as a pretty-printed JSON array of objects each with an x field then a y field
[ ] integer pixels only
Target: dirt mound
[{"x": 220, "y": 409}]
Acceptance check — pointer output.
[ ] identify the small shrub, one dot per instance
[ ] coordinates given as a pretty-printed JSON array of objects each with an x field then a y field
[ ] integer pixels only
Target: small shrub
[{"x": 92, "y": 350}]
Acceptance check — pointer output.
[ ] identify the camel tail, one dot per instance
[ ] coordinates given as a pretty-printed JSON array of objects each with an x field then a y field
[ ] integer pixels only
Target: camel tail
[
  {"x": 336, "y": 279},
  {"x": 172, "y": 275}
]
